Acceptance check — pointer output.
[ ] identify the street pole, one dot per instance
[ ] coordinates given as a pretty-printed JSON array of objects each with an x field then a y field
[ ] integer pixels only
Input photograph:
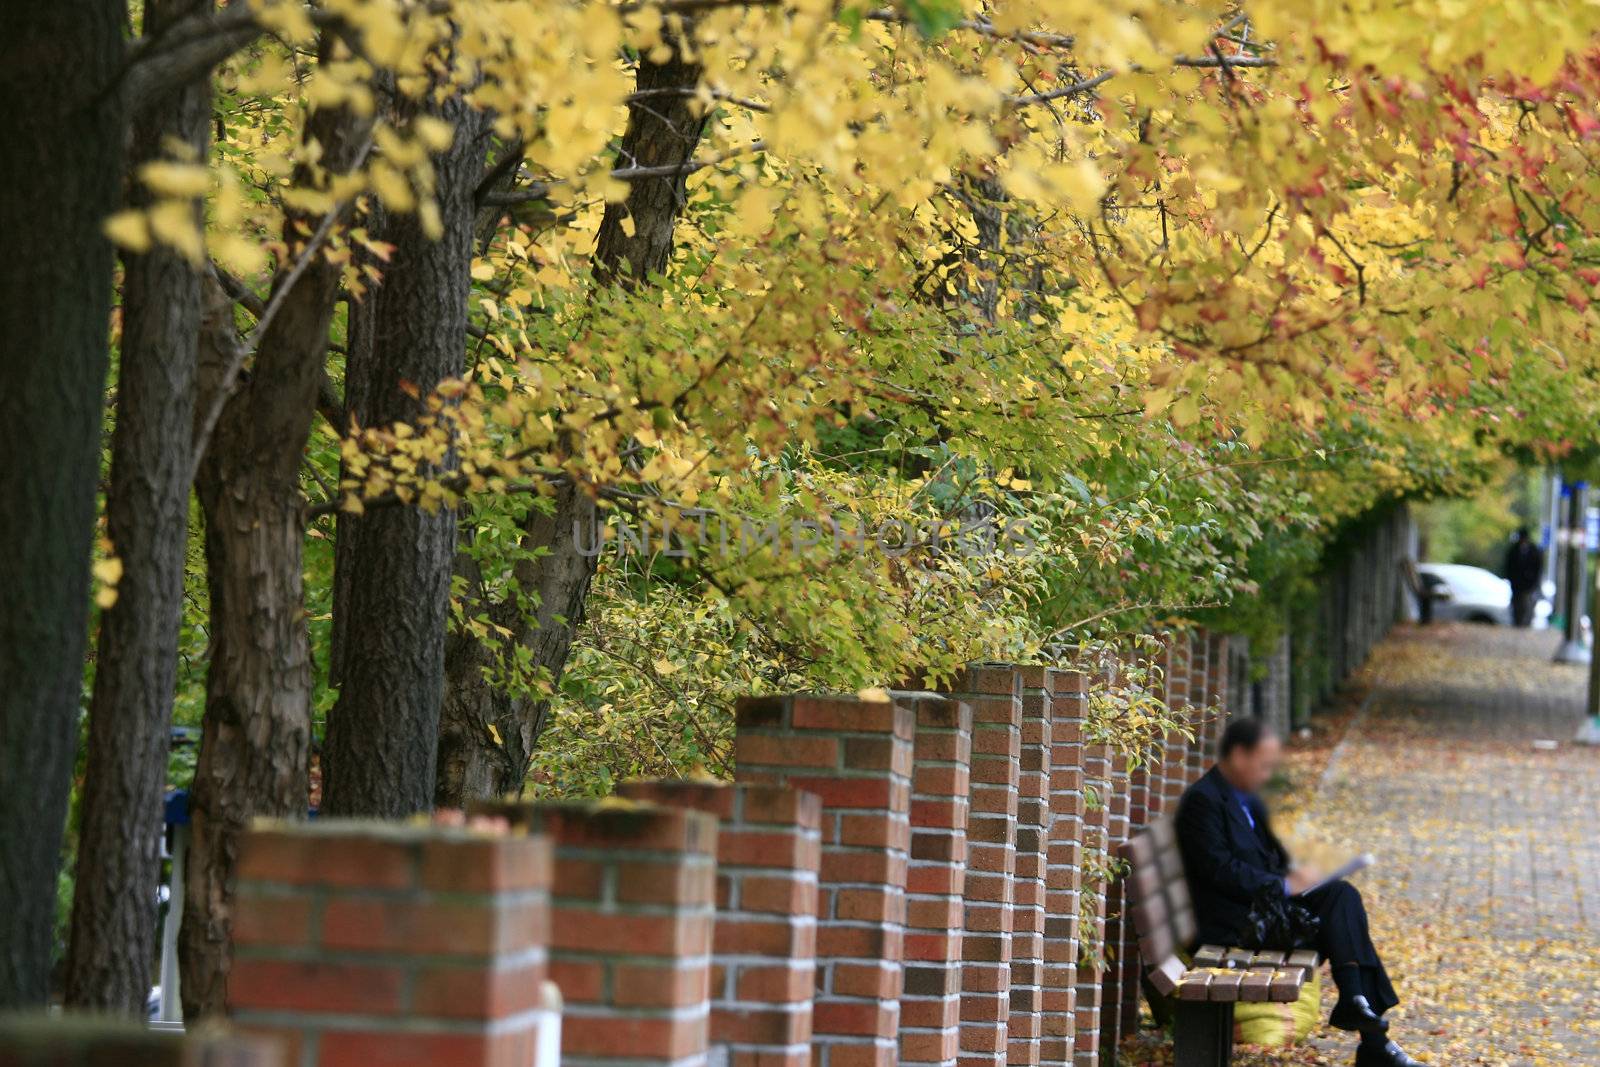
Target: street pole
[
  {"x": 1575, "y": 540},
  {"x": 1589, "y": 732}
]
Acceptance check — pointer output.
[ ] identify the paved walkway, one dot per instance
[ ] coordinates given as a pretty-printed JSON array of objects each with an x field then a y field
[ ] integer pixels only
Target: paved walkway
[{"x": 1486, "y": 895}]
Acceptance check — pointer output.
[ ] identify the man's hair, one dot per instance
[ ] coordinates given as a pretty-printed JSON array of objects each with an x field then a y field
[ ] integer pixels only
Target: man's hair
[{"x": 1242, "y": 733}]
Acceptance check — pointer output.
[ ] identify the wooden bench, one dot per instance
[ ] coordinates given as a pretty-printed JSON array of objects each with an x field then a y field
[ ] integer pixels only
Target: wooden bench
[{"x": 1201, "y": 993}]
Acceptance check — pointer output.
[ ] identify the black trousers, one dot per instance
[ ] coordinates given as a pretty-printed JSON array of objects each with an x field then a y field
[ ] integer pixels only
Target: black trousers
[
  {"x": 1344, "y": 939},
  {"x": 1523, "y": 603}
]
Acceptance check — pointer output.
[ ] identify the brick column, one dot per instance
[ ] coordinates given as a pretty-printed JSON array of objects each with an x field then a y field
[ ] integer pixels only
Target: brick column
[
  {"x": 930, "y": 1007},
  {"x": 87, "y": 1041},
  {"x": 1069, "y": 693},
  {"x": 1175, "y": 761},
  {"x": 632, "y": 904},
  {"x": 1220, "y": 696},
  {"x": 1092, "y": 926},
  {"x": 1155, "y": 773},
  {"x": 857, "y": 756},
  {"x": 1130, "y": 967},
  {"x": 763, "y": 943},
  {"x": 1118, "y": 801},
  {"x": 1028, "y": 887},
  {"x": 995, "y": 693},
  {"x": 1200, "y": 751},
  {"x": 360, "y": 943}
]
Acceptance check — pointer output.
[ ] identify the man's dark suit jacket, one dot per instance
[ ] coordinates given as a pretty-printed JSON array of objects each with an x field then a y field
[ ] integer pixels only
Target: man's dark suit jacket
[{"x": 1229, "y": 865}]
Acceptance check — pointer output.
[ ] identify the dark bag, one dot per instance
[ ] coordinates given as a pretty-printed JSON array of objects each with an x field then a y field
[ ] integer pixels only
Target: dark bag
[{"x": 1278, "y": 924}]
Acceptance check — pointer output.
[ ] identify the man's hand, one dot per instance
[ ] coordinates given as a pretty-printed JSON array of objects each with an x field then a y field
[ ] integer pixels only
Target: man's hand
[{"x": 1302, "y": 878}]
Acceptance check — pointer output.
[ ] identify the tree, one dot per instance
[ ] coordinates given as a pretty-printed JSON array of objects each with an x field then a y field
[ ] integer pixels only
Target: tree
[
  {"x": 61, "y": 171},
  {"x": 147, "y": 515},
  {"x": 393, "y": 566},
  {"x": 251, "y": 430},
  {"x": 488, "y": 735}
]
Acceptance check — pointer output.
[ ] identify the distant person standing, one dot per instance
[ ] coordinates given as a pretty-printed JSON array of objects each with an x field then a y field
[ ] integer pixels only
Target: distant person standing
[{"x": 1524, "y": 569}]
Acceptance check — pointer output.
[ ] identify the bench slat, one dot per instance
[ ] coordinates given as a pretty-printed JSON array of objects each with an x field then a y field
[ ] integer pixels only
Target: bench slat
[
  {"x": 1149, "y": 913},
  {"x": 1181, "y": 908},
  {"x": 1195, "y": 986},
  {"x": 1238, "y": 957},
  {"x": 1167, "y": 975},
  {"x": 1286, "y": 986},
  {"x": 1158, "y": 945},
  {"x": 1224, "y": 987},
  {"x": 1305, "y": 958},
  {"x": 1209, "y": 956},
  {"x": 1255, "y": 986}
]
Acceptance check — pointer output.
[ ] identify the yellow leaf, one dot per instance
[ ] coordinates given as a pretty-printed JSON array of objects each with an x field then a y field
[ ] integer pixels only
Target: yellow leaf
[{"x": 129, "y": 229}]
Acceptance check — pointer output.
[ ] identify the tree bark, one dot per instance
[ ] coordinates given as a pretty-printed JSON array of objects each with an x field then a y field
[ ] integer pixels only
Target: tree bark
[
  {"x": 392, "y": 566},
  {"x": 60, "y": 176},
  {"x": 113, "y": 937},
  {"x": 473, "y": 764},
  {"x": 664, "y": 129},
  {"x": 256, "y": 734}
]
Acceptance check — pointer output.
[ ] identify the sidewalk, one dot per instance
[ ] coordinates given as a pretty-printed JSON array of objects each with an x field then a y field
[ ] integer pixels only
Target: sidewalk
[{"x": 1486, "y": 896}]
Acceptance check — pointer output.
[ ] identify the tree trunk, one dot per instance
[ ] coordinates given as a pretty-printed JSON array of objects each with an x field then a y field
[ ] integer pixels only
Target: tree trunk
[
  {"x": 392, "y": 566},
  {"x": 664, "y": 129},
  {"x": 60, "y": 176},
  {"x": 256, "y": 735},
  {"x": 472, "y": 762},
  {"x": 113, "y": 937}
]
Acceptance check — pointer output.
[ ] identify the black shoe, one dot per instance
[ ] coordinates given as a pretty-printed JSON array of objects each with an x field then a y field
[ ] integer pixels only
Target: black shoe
[
  {"x": 1354, "y": 1013},
  {"x": 1388, "y": 1054}
]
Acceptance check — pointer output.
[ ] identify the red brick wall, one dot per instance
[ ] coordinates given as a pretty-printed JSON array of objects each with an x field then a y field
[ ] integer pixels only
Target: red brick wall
[
  {"x": 1118, "y": 800},
  {"x": 1068, "y": 694},
  {"x": 895, "y": 881},
  {"x": 930, "y": 1006},
  {"x": 856, "y": 755},
  {"x": 1091, "y": 973},
  {"x": 763, "y": 944},
  {"x": 1028, "y": 887},
  {"x": 995, "y": 693},
  {"x": 632, "y": 904},
  {"x": 359, "y": 943},
  {"x": 1174, "y": 767},
  {"x": 1201, "y": 751}
]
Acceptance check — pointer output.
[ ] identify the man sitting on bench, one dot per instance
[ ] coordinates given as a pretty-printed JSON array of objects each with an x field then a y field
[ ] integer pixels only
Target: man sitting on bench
[{"x": 1233, "y": 859}]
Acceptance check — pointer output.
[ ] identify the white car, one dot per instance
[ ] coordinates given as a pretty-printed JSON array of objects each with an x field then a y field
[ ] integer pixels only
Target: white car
[{"x": 1470, "y": 594}]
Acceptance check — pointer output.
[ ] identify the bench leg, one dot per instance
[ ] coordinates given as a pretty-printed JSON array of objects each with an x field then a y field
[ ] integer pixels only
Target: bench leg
[{"x": 1202, "y": 1034}]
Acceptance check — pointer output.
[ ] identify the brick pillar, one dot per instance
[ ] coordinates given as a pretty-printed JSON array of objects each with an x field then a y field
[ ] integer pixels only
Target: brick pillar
[
  {"x": 632, "y": 904},
  {"x": 87, "y": 1041},
  {"x": 1069, "y": 694},
  {"x": 1024, "y": 1031},
  {"x": 1092, "y": 927},
  {"x": 995, "y": 693},
  {"x": 763, "y": 943},
  {"x": 1219, "y": 679},
  {"x": 857, "y": 756},
  {"x": 1201, "y": 750},
  {"x": 930, "y": 1007},
  {"x": 1118, "y": 799},
  {"x": 360, "y": 943},
  {"x": 1174, "y": 774},
  {"x": 1155, "y": 778},
  {"x": 1145, "y": 803}
]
